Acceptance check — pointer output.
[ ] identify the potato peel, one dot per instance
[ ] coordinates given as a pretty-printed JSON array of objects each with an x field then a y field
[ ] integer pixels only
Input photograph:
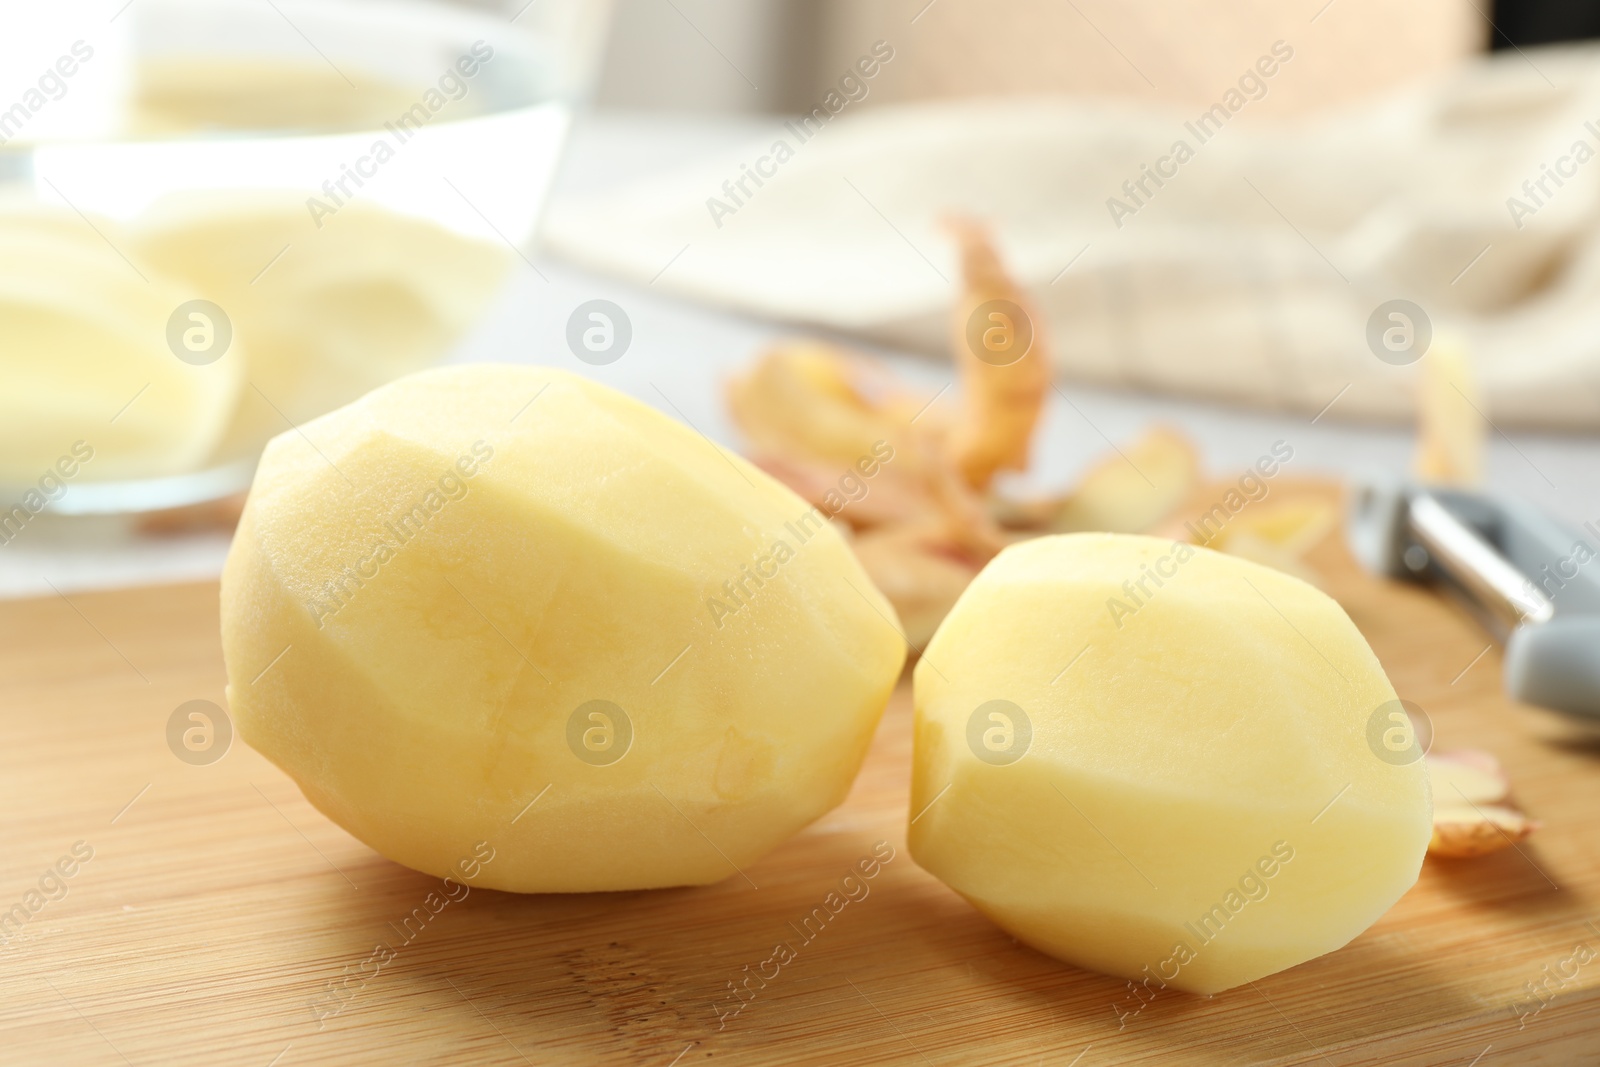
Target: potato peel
[
  {"x": 1276, "y": 534},
  {"x": 1450, "y": 428},
  {"x": 1468, "y": 776},
  {"x": 1461, "y": 831},
  {"x": 1471, "y": 812},
  {"x": 1296, "y": 524},
  {"x": 810, "y": 410},
  {"x": 1001, "y": 400},
  {"x": 1246, "y": 544},
  {"x": 806, "y": 400},
  {"x": 931, "y": 519},
  {"x": 1131, "y": 491},
  {"x": 921, "y": 573}
]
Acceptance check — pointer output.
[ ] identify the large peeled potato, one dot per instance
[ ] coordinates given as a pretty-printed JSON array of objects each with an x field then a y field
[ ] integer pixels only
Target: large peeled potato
[
  {"x": 481, "y": 587},
  {"x": 1162, "y": 762}
]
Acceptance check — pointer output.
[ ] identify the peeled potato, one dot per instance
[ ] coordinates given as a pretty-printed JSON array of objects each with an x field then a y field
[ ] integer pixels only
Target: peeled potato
[
  {"x": 1158, "y": 761},
  {"x": 482, "y": 587},
  {"x": 82, "y": 335},
  {"x": 178, "y": 96},
  {"x": 326, "y": 312}
]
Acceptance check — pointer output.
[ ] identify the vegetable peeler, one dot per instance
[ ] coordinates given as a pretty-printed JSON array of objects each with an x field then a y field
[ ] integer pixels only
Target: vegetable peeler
[{"x": 1531, "y": 580}]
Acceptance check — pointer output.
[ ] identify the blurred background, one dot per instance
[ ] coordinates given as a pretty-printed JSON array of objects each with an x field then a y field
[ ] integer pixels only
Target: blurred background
[
  {"x": 792, "y": 50},
  {"x": 657, "y": 58},
  {"x": 1362, "y": 229}
]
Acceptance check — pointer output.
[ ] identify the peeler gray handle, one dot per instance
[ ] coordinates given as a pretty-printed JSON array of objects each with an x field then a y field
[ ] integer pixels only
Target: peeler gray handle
[{"x": 1557, "y": 665}]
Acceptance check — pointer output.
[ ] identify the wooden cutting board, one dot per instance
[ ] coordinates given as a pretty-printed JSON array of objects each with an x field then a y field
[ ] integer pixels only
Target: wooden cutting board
[{"x": 219, "y": 908}]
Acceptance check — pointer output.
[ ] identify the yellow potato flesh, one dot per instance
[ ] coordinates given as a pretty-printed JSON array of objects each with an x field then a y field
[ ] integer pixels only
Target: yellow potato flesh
[
  {"x": 327, "y": 311},
  {"x": 425, "y": 705},
  {"x": 85, "y": 357},
  {"x": 1214, "y": 731}
]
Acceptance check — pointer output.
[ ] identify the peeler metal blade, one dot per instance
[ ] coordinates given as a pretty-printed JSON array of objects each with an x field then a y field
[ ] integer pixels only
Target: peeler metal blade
[{"x": 1531, "y": 580}]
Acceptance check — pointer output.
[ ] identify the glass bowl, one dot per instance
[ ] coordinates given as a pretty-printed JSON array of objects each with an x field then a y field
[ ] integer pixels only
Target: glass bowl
[{"x": 226, "y": 217}]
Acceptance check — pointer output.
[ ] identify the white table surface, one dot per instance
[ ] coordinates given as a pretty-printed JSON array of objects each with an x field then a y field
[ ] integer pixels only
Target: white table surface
[{"x": 682, "y": 354}]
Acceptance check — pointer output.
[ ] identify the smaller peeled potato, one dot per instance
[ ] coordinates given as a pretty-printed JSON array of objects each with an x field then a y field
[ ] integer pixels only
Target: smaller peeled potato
[{"x": 1162, "y": 762}]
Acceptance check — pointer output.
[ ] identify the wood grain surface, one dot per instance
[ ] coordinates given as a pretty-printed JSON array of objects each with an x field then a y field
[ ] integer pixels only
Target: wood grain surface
[{"x": 219, "y": 910}]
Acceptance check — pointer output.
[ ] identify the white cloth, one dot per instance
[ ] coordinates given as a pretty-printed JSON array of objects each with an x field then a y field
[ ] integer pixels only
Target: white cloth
[{"x": 1248, "y": 276}]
